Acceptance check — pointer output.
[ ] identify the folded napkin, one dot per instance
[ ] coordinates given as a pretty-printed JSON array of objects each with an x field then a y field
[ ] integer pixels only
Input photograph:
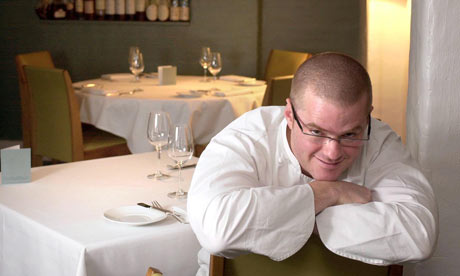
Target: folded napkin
[
  {"x": 118, "y": 77},
  {"x": 100, "y": 91},
  {"x": 236, "y": 78},
  {"x": 234, "y": 92}
]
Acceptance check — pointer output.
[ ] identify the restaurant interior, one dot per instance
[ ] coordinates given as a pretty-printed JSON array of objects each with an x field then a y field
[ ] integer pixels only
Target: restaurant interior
[{"x": 408, "y": 47}]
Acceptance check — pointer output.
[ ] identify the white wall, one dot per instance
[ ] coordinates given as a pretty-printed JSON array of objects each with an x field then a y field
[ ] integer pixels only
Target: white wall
[
  {"x": 433, "y": 120},
  {"x": 388, "y": 41}
]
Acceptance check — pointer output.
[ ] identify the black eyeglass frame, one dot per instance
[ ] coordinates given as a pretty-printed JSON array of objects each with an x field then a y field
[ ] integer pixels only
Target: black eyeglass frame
[{"x": 331, "y": 138}]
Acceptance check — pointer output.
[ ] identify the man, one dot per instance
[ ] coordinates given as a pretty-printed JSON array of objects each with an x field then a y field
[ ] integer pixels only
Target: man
[{"x": 270, "y": 177}]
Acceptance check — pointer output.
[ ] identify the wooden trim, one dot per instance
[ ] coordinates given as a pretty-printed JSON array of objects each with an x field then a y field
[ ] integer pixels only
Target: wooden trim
[
  {"x": 395, "y": 270},
  {"x": 216, "y": 265}
]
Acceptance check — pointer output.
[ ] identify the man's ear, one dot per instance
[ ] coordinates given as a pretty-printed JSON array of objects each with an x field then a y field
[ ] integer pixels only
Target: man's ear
[{"x": 288, "y": 113}]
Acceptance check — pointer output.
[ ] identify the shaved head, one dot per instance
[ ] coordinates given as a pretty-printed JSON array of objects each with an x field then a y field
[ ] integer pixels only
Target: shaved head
[{"x": 332, "y": 76}]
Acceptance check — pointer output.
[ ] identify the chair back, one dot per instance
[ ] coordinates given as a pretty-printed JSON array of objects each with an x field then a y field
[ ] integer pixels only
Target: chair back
[
  {"x": 56, "y": 126},
  {"x": 278, "y": 90},
  {"x": 42, "y": 59},
  {"x": 282, "y": 63},
  {"x": 313, "y": 259}
]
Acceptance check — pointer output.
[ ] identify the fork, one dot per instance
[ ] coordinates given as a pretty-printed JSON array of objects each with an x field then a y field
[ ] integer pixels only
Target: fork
[{"x": 157, "y": 205}]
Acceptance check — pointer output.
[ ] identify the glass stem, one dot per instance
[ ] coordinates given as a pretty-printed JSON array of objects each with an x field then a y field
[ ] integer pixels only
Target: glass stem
[
  {"x": 159, "y": 158},
  {"x": 205, "y": 70},
  {"x": 179, "y": 190}
]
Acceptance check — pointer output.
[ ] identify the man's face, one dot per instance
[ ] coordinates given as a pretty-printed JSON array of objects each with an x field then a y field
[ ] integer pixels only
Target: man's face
[{"x": 321, "y": 116}]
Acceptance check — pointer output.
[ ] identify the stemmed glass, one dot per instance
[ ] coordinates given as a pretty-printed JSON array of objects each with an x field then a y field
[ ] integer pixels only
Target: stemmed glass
[
  {"x": 216, "y": 64},
  {"x": 205, "y": 60},
  {"x": 136, "y": 62},
  {"x": 180, "y": 150},
  {"x": 158, "y": 127}
]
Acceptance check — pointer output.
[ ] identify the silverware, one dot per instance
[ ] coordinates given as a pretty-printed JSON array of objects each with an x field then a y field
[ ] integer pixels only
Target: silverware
[
  {"x": 130, "y": 92},
  {"x": 155, "y": 205},
  {"x": 174, "y": 167}
]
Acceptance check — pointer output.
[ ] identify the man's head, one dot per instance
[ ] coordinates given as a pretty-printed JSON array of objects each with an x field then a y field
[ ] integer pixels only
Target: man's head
[{"x": 331, "y": 95}]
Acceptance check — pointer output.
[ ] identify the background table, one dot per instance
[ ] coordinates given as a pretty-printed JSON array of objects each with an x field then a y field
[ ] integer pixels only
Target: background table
[
  {"x": 127, "y": 115},
  {"x": 55, "y": 225}
]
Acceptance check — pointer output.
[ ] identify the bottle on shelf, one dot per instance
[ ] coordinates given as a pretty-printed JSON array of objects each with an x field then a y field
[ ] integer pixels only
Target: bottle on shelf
[
  {"x": 130, "y": 9},
  {"x": 184, "y": 13},
  {"x": 88, "y": 9},
  {"x": 119, "y": 9},
  {"x": 152, "y": 11},
  {"x": 140, "y": 10},
  {"x": 99, "y": 6},
  {"x": 174, "y": 10},
  {"x": 109, "y": 9},
  {"x": 163, "y": 10},
  {"x": 79, "y": 9},
  {"x": 42, "y": 9}
]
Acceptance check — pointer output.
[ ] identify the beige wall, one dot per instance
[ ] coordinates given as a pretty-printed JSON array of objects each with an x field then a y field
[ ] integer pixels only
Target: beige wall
[{"x": 388, "y": 59}]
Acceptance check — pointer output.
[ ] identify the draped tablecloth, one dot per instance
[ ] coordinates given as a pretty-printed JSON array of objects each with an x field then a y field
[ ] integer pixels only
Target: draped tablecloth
[
  {"x": 54, "y": 225},
  {"x": 126, "y": 115}
]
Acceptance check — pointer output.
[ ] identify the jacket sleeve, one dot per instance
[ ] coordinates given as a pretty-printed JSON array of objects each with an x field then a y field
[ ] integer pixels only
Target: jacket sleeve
[
  {"x": 399, "y": 225},
  {"x": 234, "y": 210}
]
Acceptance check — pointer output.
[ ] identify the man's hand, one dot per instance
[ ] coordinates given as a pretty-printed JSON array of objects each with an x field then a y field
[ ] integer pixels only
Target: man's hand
[{"x": 330, "y": 193}]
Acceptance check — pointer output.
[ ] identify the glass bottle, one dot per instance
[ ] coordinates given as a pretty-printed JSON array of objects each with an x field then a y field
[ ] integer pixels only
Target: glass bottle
[
  {"x": 109, "y": 9},
  {"x": 79, "y": 9},
  {"x": 163, "y": 10},
  {"x": 130, "y": 9},
  {"x": 174, "y": 10},
  {"x": 100, "y": 9},
  {"x": 152, "y": 11},
  {"x": 88, "y": 9},
  {"x": 140, "y": 10},
  {"x": 119, "y": 9},
  {"x": 58, "y": 9},
  {"x": 184, "y": 11}
]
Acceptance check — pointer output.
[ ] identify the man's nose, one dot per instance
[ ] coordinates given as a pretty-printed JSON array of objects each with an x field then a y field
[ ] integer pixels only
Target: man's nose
[{"x": 332, "y": 149}]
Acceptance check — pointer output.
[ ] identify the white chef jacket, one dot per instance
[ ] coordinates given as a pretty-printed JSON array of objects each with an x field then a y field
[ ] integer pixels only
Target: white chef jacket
[{"x": 248, "y": 194}]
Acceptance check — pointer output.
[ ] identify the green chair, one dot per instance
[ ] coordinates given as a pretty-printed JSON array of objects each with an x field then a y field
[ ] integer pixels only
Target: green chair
[
  {"x": 40, "y": 59},
  {"x": 281, "y": 63},
  {"x": 56, "y": 126},
  {"x": 313, "y": 259}
]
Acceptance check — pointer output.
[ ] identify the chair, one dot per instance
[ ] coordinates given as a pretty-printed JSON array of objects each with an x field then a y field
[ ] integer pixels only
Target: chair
[
  {"x": 56, "y": 126},
  {"x": 278, "y": 90},
  {"x": 313, "y": 259},
  {"x": 41, "y": 59},
  {"x": 282, "y": 63}
]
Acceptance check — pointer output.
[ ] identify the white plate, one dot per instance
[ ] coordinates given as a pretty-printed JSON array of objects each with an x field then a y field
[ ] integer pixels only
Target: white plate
[
  {"x": 252, "y": 83},
  {"x": 134, "y": 215}
]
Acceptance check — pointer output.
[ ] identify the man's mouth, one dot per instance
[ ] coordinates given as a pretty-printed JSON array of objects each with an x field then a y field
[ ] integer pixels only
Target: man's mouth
[{"x": 329, "y": 164}]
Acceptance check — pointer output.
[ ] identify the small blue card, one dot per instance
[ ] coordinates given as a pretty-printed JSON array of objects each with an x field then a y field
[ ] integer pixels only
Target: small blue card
[{"x": 15, "y": 165}]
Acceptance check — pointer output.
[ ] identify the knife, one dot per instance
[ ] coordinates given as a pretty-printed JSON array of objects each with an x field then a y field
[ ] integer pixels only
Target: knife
[
  {"x": 167, "y": 212},
  {"x": 174, "y": 167}
]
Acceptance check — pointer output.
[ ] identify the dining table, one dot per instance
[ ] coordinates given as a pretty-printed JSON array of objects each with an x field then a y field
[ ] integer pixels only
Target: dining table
[
  {"x": 120, "y": 105},
  {"x": 82, "y": 219}
]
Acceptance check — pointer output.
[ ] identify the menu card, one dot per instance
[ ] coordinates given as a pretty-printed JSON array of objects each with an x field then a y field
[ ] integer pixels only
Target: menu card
[{"x": 15, "y": 165}]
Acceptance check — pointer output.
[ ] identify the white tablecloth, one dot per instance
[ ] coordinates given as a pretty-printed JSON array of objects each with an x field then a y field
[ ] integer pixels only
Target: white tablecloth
[
  {"x": 55, "y": 224},
  {"x": 127, "y": 115}
]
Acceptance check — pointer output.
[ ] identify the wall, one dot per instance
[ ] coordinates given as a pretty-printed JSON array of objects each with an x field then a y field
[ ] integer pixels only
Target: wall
[
  {"x": 433, "y": 120},
  {"x": 388, "y": 43},
  {"x": 313, "y": 26},
  {"x": 244, "y": 31}
]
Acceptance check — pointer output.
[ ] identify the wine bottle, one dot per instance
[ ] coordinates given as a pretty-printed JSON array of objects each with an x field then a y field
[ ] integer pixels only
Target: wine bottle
[
  {"x": 79, "y": 9},
  {"x": 130, "y": 9},
  {"x": 58, "y": 10},
  {"x": 109, "y": 9},
  {"x": 184, "y": 11},
  {"x": 163, "y": 10},
  {"x": 140, "y": 10},
  {"x": 119, "y": 9},
  {"x": 100, "y": 9},
  {"x": 70, "y": 13},
  {"x": 152, "y": 12},
  {"x": 174, "y": 10},
  {"x": 89, "y": 9}
]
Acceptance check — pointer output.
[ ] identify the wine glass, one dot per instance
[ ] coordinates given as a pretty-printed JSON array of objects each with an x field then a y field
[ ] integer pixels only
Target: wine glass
[
  {"x": 158, "y": 127},
  {"x": 136, "y": 62},
  {"x": 205, "y": 60},
  {"x": 180, "y": 150},
  {"x": 216, "y": 64}
]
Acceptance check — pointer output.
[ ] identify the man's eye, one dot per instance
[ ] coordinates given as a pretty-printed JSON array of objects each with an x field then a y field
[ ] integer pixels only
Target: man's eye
[
  {"x": 315, "y": 132},
  {"x": 349, "y": 135}
]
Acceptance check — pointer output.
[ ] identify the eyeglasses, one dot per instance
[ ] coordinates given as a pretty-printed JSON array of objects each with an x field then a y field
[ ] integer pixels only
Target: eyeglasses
[{"x": 323, "y": 139}]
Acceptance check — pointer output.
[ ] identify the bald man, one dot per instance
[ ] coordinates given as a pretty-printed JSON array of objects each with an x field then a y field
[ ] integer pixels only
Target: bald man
[{"x": 272, "y": 175}]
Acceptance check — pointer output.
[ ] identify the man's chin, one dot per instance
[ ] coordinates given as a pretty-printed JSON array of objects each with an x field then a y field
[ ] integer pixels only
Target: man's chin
[{"x": 326, "y": 175}]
